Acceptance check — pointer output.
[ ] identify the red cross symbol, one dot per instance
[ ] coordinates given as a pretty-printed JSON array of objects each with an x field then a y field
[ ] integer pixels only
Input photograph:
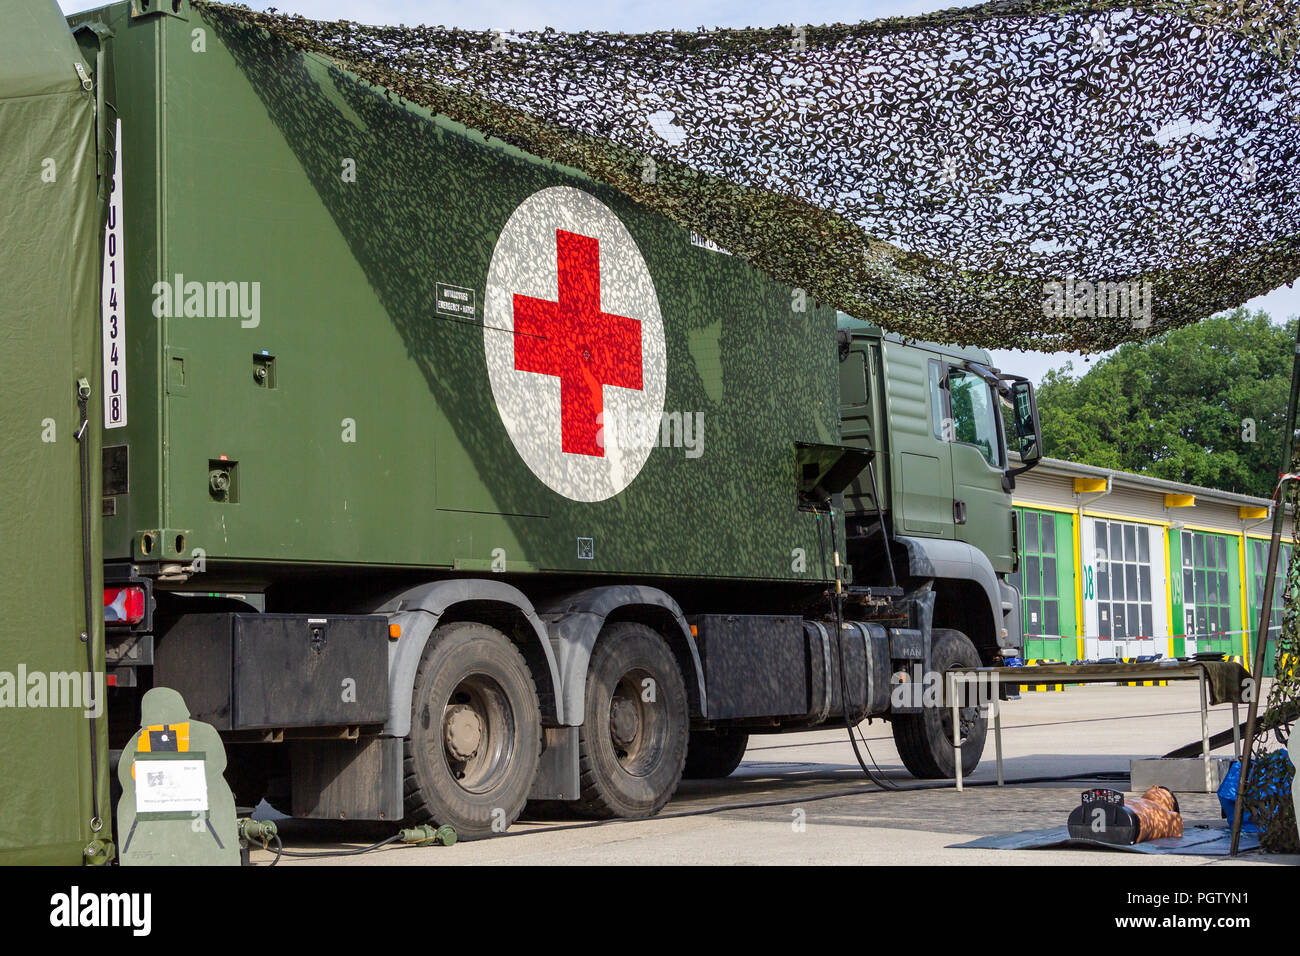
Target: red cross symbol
[{"x": 572, "y": 339}]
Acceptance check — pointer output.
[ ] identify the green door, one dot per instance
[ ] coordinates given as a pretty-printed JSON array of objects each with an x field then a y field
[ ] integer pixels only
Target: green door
[
  {"x": 1207, "y": 606},
  {"x": 859, "y": 420},
  {"x": 920, "y": 459},
  {"x": 1257, "y": 554},
  {"x": 981, "y": 506},
  {"x": 1045, "y": 578}
]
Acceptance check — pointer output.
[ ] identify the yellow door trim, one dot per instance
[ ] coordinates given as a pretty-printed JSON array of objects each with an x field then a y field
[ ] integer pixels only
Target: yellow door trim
[
  {"x": 1229, "y": 532},
  {"x": 1078, "y": 584},
  {"x": 1109, "y": 516},
  {"x": 1169, "y": 598},
  {"x": 1245, "y": 608},
  {"x": 1037, "y": 507}
]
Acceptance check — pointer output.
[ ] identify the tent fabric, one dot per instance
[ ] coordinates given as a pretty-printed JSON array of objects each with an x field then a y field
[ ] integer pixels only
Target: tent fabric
[
  {"x": 1046, "y": 174},
  {"x": 49, "y": 337},
  {"x": 37, "y": 51}
]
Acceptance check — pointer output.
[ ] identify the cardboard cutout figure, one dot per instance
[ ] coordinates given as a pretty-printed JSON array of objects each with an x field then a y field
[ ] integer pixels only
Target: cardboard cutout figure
[{"x": 176, "y": 808}]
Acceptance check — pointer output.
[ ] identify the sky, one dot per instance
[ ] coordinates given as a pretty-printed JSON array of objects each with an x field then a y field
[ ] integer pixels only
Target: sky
[
  {"x": 634, "y": 16},
  {"x": 1281, "y": 304}
]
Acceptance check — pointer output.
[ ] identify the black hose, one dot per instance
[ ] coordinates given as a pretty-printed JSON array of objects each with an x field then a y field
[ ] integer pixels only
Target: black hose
[
  {"x": 396, "y": 837},
  {"x": 837, "y": 610}
]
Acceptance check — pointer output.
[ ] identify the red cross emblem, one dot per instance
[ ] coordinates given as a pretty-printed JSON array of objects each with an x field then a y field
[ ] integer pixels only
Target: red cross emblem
[
  {"x": 573, "y": 342},
  {"x": 582, "y": 346}
]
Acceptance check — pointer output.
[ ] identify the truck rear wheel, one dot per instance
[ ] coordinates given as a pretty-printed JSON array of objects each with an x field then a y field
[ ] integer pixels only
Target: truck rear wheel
[
  {"x": 476, "y": 732},
  {"x": 924, "y": 740},
  {"x": 632, "y": 743},
  {"x": 714, "y": 754}
]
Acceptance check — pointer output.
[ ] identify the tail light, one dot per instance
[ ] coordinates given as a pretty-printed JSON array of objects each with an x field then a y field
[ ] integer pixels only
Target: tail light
[{"x": 123, "y": 605}]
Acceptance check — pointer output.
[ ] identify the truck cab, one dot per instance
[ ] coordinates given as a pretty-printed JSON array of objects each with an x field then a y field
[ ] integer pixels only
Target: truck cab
[{"x": 949, "y": 433}]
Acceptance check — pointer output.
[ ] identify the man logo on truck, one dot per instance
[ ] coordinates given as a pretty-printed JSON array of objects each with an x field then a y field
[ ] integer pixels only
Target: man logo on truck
[{"x": 574, "y": 342}]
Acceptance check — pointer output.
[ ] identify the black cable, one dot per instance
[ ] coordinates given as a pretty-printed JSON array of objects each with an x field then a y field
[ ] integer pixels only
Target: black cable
[
  {"x": 837, "y": 610},
  {"x": 396, "y": 837},
  {"x": 880, "y": 518}
]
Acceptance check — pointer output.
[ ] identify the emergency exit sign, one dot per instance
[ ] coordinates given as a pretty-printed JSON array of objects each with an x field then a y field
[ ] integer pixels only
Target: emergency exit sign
[{"x": 456, "y": 301}]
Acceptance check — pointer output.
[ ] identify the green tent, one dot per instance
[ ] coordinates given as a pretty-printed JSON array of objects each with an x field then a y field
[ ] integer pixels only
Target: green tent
[{"x": 53, "y": 780}]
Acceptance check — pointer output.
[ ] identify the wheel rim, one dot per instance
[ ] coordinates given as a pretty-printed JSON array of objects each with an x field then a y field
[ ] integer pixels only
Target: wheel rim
[
  {"x": 968, "y": 720},
  {"x": 477, "y": 736},
  {"x": 638, "y": 729}
]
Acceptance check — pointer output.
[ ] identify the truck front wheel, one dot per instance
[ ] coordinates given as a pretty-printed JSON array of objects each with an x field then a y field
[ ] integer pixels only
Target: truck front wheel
[
  {"x": 632, "y": 743},
  {"x": 924, "y": 740},
  {"x": 476, "y": 732}
]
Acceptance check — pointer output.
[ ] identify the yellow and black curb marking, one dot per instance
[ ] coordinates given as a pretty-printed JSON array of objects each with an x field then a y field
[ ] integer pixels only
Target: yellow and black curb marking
[
  {"x": 1139, "y": 683},
  {"x": 1030, "y": 662}
]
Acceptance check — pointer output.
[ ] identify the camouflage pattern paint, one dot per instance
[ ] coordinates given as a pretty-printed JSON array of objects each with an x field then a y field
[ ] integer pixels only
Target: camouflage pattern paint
[{"x": 395, "y": 432}]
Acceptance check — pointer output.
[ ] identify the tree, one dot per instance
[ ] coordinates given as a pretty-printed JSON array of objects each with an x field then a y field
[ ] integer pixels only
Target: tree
[{"x": 1204, "y": 404}]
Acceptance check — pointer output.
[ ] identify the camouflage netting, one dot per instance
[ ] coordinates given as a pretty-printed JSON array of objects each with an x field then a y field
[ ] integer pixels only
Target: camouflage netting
[
  {"x": 1267, "y": 797},
  {"x": 934, "y": 174}
]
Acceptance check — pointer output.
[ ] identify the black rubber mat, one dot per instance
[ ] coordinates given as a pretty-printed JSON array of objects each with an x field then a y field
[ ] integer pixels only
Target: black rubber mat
[{"x": 1195, "y": 841}]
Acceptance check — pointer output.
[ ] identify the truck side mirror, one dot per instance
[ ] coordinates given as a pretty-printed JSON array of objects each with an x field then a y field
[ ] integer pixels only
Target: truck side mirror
[{"x": 1029, "y": 438}]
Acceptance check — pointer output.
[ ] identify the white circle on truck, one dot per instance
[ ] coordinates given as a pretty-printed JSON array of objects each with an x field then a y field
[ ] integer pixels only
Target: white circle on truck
[{"x": 574, "y": 342}]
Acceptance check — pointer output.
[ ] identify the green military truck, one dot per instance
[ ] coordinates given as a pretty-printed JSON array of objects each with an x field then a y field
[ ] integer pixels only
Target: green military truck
[{"x": 440, "y": 479}]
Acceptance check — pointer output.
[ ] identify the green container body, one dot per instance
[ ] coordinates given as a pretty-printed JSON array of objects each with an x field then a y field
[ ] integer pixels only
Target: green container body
[{"x": 237, "y": 150}]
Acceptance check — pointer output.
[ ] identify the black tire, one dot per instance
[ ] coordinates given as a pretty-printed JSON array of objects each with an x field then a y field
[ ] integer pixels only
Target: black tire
[
  {"x": 631, "y": 750},
  {"x": 924, "y": 740},
  {"x": 714, "y": 754},
  {"x": 476, "y": 732}
]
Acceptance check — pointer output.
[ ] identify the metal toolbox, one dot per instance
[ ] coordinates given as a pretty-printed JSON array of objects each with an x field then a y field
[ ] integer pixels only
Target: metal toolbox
[{"x": 258, "y": 671}]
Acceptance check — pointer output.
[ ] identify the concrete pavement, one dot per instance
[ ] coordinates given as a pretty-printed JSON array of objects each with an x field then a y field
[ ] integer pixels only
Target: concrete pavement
[{"x": 801, "y": 799}]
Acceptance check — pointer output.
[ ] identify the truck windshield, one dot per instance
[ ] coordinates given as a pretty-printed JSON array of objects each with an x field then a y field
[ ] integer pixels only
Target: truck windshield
[{"x": 975, "y": 415}]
